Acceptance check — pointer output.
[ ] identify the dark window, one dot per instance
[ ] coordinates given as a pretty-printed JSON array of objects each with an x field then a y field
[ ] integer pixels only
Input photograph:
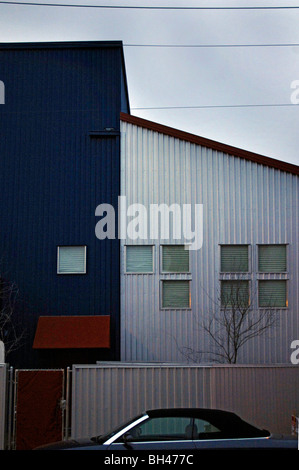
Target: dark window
[
  {"x": 272, "y": 258},
  {"x": 175, "y": 259},
  {"x": 234, "y": 258},
  {"x": 234, "y": 294},
  {"x": 273, "y": 293},
  {"x": 176, "y": 294}
]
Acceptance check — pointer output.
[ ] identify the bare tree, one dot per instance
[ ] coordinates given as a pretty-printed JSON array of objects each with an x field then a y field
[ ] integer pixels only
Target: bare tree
[
  {"x": 9, "y": 334},
  {"x": 233, "y": 323}
]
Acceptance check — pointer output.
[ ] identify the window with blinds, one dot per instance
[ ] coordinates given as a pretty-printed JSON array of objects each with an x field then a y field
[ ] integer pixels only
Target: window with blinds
[
  {"x": 71, "y": 260},
  {"x": 273, "y": 293},
  {"x": 272, "y": 258},
  {"x": 175, "y": 259},
  {"x": 234, "y": 258},
  {"x": 234, "y": 294},
  {"x": 176, "y": 294},
  {"x": 139, "y": 259}
]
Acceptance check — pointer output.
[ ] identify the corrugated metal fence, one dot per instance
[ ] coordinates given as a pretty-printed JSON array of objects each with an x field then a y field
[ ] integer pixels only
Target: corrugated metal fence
[
  {"x": 3, "y": 378},
  {"x": 106, "y": 394}
]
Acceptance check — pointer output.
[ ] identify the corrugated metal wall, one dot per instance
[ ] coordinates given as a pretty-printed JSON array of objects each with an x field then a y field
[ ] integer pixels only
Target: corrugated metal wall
[
  {"x": 243, "y": 203},
  {"x": 53, "y": 176},
  {"x": 106, "y": 395}
]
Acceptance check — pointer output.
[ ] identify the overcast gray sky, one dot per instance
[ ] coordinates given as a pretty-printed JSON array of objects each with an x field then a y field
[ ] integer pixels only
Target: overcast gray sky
[{"x": 189, "y": 77}]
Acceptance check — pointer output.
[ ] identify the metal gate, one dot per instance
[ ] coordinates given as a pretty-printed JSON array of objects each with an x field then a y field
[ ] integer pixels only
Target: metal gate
[
  {"x": 3, "y": 397},
  {"x": 39, "y": 408}
]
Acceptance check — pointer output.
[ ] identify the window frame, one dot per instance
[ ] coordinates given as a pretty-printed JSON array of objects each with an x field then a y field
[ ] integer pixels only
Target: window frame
[
  {"x": 266, "y": 307},
  {"x": 261, "y": 245},
  {"x": 74, "y": 273},
  {"x": 231, "y": 307},
  {"x": 139, "y": 272},
  {"x": 161, "y": 259},
  {"x": 273, "y": 276},
  {"x": 162, "y": 281},
  {"x": 248, "y": 258}
]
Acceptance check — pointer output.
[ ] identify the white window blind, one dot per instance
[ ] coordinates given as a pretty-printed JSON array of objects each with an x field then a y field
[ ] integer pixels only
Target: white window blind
[
  {"x": 139, "y": 259},
  {"x": 71, "y": 260},
  {"x": 175, "y": 294},
  {"x": 272, "y": 258},
  {"x": 175, "y": 259},
  {"x": 234, "y": 258},
  {"x": 234, "y": 294},
  {"x": 273, "y": 293}
]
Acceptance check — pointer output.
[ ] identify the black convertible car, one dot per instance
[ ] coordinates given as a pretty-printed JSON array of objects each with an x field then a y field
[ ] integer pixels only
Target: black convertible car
[{"x": 180, "y": 429}]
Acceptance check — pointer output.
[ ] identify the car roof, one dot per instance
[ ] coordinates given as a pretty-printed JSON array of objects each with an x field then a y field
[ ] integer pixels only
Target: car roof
[
  {"x": 187, "y": 411},
  {"x": 196, "y": 412},
  {"x": 227, "y": 421}
]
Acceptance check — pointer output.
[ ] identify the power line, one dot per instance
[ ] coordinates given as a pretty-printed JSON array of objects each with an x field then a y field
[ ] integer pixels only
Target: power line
[
  {"x": 132, "y": 7},
  {"x": 210, "y": 45},
  {"x": 217, "y": 106}
]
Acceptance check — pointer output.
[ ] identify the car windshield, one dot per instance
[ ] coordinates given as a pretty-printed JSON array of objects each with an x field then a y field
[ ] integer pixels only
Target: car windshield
[{"x": 104, "y": 437}]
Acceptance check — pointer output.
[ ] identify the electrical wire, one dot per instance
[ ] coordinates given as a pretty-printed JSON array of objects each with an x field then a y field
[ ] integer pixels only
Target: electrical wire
[
  {"x": 150, "y": 7},
  {"x": 132, "y": 7},
  {"x": 217, "y": 106},
  {"x": 211, "y": 45}
]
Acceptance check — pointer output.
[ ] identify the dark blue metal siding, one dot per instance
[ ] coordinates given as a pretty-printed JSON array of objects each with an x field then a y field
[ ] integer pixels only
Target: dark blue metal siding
[{"x": 53, "y": 175}]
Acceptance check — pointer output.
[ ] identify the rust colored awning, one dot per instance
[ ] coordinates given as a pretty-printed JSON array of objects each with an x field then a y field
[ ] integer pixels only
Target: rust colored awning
[{"x": 67, "y": 332}]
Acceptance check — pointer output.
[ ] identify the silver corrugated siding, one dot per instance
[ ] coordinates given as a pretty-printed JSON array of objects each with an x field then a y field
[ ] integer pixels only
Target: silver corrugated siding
[
  {"x": 105, "y": 395},
  {"x": 243, "y": 202}
]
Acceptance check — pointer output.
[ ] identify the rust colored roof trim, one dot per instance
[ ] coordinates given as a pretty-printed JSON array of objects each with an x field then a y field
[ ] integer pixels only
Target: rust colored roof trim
[{"x": 218, "y": 146}]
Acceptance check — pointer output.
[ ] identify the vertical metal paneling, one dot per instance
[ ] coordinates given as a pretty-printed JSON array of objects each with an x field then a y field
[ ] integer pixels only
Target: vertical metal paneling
[
  {"x": 265, "y": 395},
  {"x": 106, "y": 395},
  {"x": 53, "y": 176},
  {"x": 140, "y": 387},
  {"x": 243, "y": 203}
]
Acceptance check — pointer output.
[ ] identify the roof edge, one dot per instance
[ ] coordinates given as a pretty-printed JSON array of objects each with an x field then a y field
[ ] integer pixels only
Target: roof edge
[
  {"x": 195, "y": 139},
  {"x": 59, "y": 44}
]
